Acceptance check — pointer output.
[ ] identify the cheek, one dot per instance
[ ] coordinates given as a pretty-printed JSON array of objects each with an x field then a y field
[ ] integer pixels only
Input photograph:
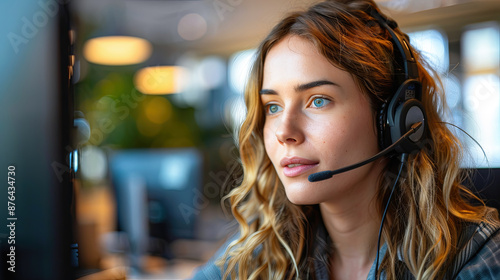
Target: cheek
[
  {"x": 364, "y": 137},
  {"x": 350, "y": 136},
  {"x": 269, "y": 138},
  {"x": 332, "y": 139},
  {"x": 272, "y": 147}
]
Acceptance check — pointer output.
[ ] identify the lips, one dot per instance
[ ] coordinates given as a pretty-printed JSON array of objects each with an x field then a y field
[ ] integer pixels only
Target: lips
[{"x": 295, "y": 166}]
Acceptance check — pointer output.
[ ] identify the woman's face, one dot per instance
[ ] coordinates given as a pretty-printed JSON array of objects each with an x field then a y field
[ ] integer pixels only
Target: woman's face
[{"x": 317, "y": 119}]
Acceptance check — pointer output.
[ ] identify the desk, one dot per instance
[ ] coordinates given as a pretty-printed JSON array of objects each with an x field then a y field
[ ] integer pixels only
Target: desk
[{"x": 175, "y": 270}]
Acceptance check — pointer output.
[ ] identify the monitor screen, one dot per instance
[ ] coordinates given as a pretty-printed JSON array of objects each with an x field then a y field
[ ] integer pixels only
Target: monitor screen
[
  {"x": 35, "y": 123},
  {"x": 155, "y": 191}
]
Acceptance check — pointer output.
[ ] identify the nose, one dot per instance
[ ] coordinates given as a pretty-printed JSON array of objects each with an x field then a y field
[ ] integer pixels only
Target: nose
[{"x": 288, "y": 129}]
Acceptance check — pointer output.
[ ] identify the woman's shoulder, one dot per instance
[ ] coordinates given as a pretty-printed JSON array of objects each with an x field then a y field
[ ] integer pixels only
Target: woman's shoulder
[
  {"x": 479, "y": 257},
  {"x": 210, "y": 270}
]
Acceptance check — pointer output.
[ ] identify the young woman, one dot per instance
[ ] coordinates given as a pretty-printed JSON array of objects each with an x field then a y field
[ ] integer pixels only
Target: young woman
[{"x": 320, "y": 96}]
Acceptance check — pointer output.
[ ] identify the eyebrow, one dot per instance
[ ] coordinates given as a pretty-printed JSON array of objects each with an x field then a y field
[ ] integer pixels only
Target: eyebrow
[{"x": 302, "y": 87}]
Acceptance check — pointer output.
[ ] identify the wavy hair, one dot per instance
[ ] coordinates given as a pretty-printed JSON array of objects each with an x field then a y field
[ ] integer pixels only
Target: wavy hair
[{"x": 430, "y": 206}]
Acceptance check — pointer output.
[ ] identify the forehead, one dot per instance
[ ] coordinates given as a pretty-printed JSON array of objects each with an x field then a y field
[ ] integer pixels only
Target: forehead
[
  {"x": 297, "y": 59},
  {"x": 293, "y": 48}
]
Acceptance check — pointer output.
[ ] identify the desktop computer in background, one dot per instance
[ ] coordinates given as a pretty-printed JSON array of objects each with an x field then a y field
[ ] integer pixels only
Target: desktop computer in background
[
  {"x": 36, "y": 122},
  {"x": 158, "y": 194}
]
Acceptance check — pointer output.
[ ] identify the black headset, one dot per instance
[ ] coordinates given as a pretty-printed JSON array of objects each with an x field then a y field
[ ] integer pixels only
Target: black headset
[{"x": 404, "y": 108}]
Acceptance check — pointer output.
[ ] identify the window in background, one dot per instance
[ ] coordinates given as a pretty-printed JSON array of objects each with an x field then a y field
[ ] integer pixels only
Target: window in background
[
  {"x": 474, "y": 98},
  {"x": 481, "y": 96},
  {"x": 240, "y": 64},
  {"x": 239, "y": 68},
  {"x": 432, "y": 44}
]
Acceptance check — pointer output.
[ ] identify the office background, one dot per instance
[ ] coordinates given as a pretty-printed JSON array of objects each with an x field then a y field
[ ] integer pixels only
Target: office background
[{"x": 156, "y": 100}]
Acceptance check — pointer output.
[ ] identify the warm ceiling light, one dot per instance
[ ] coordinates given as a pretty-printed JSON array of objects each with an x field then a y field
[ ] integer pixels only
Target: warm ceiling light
[
  {"x": 117, "y": 50},
  {"x": 160, "y": 79}
]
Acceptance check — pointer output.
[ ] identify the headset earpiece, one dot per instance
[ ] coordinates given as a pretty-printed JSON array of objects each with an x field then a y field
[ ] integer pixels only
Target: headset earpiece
[
  {"x": 397, "y": 116},
  {"x": 408, "y": 113}
]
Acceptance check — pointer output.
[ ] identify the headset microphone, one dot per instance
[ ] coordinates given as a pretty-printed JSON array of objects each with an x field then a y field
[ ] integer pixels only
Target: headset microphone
[{"x": 323, "y": 175}]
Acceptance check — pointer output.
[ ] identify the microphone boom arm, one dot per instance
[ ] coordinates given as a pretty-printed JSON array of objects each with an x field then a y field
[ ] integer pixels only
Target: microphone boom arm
[{"x": 315, "y": 177}]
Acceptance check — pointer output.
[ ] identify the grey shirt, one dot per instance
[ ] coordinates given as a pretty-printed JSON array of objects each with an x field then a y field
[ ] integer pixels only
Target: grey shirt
[{"x": 478, "y": 258}]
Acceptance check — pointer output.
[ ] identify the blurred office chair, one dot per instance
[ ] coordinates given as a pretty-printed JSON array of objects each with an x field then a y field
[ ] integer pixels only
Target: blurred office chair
[{"x": 486, "y": 183}]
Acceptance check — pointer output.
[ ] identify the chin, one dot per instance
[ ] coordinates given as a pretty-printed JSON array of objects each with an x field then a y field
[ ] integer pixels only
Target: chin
[{"x": 301, "y": 194}]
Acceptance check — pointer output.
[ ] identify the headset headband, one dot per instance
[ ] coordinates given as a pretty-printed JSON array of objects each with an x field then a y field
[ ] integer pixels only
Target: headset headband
[{"x": 408, "y": 63}]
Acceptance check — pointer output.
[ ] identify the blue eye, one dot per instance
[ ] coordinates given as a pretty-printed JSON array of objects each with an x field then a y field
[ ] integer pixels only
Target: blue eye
[
  {"x": 273, "y": 109},
  {"x": 320, "y": 102}
]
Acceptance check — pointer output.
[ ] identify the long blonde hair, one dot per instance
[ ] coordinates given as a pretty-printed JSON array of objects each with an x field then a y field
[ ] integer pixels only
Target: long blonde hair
[{"x": 430, "y": 204}]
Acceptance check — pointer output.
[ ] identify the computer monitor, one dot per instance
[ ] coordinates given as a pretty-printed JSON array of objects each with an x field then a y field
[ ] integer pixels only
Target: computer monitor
[
  {"x": 36, "y": 118},
  {"x": 158, "y": 194}
]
